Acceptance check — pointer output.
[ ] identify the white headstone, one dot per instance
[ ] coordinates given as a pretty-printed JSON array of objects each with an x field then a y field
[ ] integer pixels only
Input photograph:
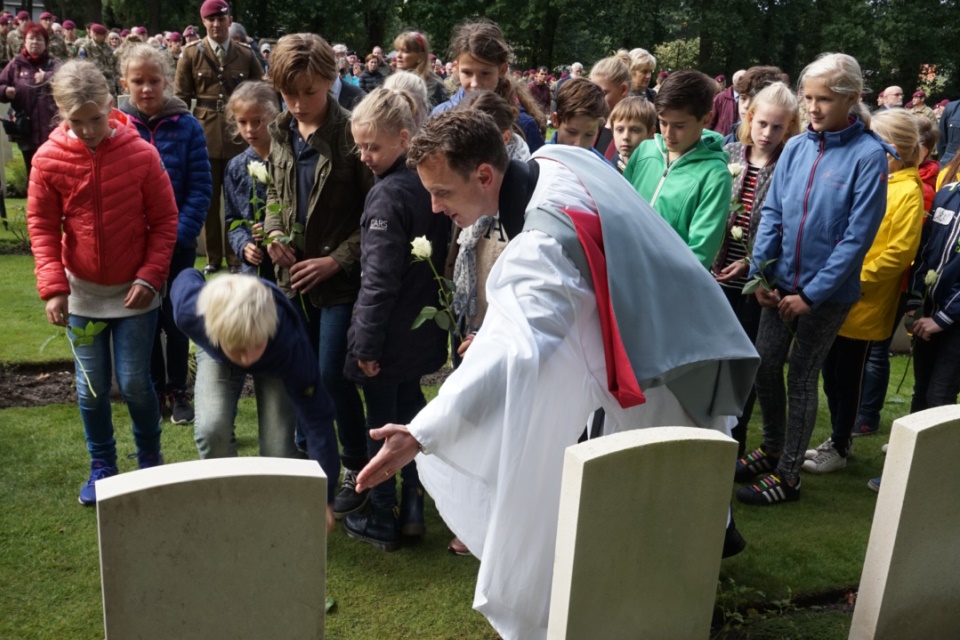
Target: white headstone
[
  {"x": 214, "y": 549},
  {"x": 910, "y": 586},
  {"x": 640, "y": 535}
]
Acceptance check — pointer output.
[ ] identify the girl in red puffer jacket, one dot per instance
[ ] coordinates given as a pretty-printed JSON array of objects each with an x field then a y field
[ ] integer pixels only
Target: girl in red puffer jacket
[{"x": 103, "y": 223}]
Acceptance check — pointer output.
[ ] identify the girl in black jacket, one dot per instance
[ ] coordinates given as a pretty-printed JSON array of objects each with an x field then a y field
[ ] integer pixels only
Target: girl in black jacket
[{"x": 385, "y": 355}]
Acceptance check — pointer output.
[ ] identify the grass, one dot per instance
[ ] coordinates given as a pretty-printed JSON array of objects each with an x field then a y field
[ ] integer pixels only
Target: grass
[{"x": 48, "y": 543}]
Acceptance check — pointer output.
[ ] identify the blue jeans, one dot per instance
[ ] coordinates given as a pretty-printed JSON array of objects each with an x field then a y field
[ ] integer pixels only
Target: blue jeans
[
  {"x": 169, "y": 367},
  {"x": 218, "y": 389},
  {"x": 330, "y": 325},
  {"x": 392, "y": 403},
  {"x": 132, "y": 342},
  {"x": 876, "y": 375}
]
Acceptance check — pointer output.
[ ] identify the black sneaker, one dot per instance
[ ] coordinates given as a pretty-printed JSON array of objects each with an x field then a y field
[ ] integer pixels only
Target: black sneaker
[
  {"x": 770, "y": 490},
  {"x": 347, "y": 499},
  {"x": 753, "y": 464},
  {"x": 210, "y": 269},
  {"x": 181, "y": 411},
  {"x": 377, "y": 527}
]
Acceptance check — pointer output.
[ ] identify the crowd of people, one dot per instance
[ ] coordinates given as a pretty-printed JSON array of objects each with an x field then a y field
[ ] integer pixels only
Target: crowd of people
[{"x": 789, "y": 217}]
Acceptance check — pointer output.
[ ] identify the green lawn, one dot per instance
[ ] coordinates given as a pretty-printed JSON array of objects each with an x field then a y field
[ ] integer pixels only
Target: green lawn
[{"x": 49, "y": 557}]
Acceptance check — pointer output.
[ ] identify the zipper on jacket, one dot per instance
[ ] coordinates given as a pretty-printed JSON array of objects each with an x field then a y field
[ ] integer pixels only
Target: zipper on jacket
[
  {"x": 668, "y": 166},
  {"x": 806, "y": 199},
  {"x": 98, "y": 208}
]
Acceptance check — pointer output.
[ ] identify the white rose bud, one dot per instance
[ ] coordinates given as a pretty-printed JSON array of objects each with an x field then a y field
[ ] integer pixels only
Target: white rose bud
[
  {"x": 737, "y": 233},
  {"x": 422, "y": 249},
  {"x": 735, "y": 168},
  {"x": 931, "y": 278},
  {"x": 258, "y": 171}
]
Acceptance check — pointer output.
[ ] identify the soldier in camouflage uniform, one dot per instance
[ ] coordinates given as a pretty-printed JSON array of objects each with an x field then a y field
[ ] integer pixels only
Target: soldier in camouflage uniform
[
  {"x": 56, "y": 47},
  {"x": 6, "y": 23},
  {"x": 95, "y": 49},
  {"x": 15, "y": 37},
  {"x": 70, "y": 37}
]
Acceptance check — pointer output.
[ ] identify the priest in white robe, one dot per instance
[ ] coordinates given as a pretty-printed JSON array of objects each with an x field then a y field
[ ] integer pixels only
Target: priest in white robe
[{"x": 654, "y": 344}]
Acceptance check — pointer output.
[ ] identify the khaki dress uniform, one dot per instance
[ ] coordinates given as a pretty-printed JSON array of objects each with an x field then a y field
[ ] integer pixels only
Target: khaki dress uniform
[{"x": 201, "y": 77}]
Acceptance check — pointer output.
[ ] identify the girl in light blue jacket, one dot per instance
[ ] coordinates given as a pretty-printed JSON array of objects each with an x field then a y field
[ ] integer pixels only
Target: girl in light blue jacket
[{"x": 823, "y": 210}]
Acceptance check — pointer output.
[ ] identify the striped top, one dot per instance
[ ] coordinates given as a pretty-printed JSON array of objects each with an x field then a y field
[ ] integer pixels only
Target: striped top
[{"x": 736, "y": 251}]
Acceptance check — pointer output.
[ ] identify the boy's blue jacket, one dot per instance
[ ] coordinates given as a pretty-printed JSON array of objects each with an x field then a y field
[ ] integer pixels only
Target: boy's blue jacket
[
  {"x": 822, "y": 213},
  {"x": 938, "y": 252},
  {"x": 179, "y": 139},
  {"x": 289, "y": 356}
]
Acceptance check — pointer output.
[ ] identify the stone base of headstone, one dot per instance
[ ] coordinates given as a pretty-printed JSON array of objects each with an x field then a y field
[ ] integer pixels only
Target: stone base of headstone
[
  {"x": 910, "y": 587},
  {"x": 215, "y": 549},
  {"x": 640, "y": 534}
]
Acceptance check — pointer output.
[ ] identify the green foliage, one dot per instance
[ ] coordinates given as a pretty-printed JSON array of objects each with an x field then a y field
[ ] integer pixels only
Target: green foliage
[
  {"x": 16, "y": 174},
  {"x": 678, "y": 54}
]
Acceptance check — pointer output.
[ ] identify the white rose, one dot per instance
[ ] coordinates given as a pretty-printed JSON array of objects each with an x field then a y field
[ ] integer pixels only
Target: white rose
[
  {"x": 737, "y": 233},
  {"x": 422, "y": 249},
  {"x": 735, "y": 169},
  {"x": 931, "y": 278},
  {"x": 258, "y": 171}
]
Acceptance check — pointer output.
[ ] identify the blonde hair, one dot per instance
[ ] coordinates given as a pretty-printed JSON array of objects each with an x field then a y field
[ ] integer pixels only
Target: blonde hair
[
  {"x": 389, "y": 110},
  {"x": 637, "y": 109},
  {"x": 415, "y": 42},
  {"x": 613, "y": 69},
  {"x": 898, "y": 128},
  {"x": 416, "y": 89},
  {"x": 251, "y": 93},
  {"x": 301, "y": 55},
  {"x": 238, "y": 311},
  {"x": 777, "y": 95},
  {"x": 641, "y": 59},
  {"x": 840, "y": 73},
  {"x": 79, "y": 82},
  {"x": 145, "y": 53}
]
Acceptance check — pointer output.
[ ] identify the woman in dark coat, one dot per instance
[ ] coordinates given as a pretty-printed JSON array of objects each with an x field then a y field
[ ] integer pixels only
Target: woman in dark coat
[{"x": 25, "y": 83}]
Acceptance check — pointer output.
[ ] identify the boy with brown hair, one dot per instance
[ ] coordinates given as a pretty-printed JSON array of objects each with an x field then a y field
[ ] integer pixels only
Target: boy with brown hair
[
  {"x": 581, "y": 112},
  {"x": 632, "y": 121},
  {"x": 682, "y": 172},
  {"x": 314, "y": 202}
]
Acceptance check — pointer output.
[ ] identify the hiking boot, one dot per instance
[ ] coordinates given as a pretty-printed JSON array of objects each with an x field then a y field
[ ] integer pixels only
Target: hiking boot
[
  {"x": 411, "y": 510},
  {"x": 181, "y": 411},
  {"x": 874, "y": 484},
  {"x": 865, "y": 430},
  {"x": 148, "y": 459},
  {"x": 753, "y": 464},
  {"x": 826, "y": 459},
  {"x": 378, "y": 527},
  {"x": 99, "y": 469},
  {"x": 347, "y": 499},
  {"x": 770, "y": 490}
]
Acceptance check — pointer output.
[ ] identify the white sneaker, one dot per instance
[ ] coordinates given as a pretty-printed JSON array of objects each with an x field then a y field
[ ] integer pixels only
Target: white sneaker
[
  {"x": 883, "y": 449},
  {"x": 826, "y": 460},
  {"x": 810, "y": 454}
]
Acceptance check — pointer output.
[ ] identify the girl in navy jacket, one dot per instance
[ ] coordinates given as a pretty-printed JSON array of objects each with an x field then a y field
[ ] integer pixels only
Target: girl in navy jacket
[
  {"x": 823, "y": 210},
  {"x": 166, "y": 123}
]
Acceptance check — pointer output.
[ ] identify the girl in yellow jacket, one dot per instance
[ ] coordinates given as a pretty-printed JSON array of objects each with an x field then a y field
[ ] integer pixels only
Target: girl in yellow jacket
[{"x": 874, "y": 316}]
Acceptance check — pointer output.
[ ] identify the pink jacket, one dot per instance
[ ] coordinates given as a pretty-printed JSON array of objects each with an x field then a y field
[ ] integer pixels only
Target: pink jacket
[{"x": 108, "y": 217}]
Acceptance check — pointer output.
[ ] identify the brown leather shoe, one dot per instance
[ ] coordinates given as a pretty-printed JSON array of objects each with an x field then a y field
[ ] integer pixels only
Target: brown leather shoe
[{"x": 458, "y": 548}]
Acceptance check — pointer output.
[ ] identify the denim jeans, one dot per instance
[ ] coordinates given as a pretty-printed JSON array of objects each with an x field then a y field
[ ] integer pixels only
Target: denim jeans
[
  {"x": 876, "y": 375},
  {"x": 936, "y": 370},
  {"x": 843, "y": 372},
  {"x": 330, "y": 325},
  {"x": 132, "y": 341},
  {"x": 218, "y": 389},
  {"x": 788, "y": 429},
  {"x": 392, "y": 403},
  {"x": 169, "y": 369}
]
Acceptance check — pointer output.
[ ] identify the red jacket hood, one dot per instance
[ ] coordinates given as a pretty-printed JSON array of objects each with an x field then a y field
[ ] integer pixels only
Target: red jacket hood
[{"x": 123, "y": 132}]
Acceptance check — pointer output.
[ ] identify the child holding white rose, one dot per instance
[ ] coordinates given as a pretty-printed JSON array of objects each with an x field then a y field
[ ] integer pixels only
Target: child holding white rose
[
  {"x": 398, "y": 234},
  {"x": 252, "y": 107}
]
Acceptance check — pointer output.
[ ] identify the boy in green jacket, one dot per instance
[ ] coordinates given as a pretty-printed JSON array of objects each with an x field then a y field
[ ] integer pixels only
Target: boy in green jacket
[{"x": 682, "y": 172}]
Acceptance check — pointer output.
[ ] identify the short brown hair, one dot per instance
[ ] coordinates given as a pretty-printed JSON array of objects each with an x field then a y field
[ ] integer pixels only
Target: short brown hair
[
  {"x": 465, "y": 137},
  {"x": 929, "y": 134},
  {"x": 755, "y": 79},
  {"x": 503, "y": 113},
  {"x": 690, "y": 91},
  {"x": 580, "y": 97},
  {"x": 636, "y": 108},
  {"x": 298, "y": 55}
]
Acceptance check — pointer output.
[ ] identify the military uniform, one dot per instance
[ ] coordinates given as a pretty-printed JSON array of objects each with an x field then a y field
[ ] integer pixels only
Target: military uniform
[
  {"x": 102, "y": 56},
  {"x": 4, "y": 53},
  {"x": 14, "y": 44},
  {"x": 202, "y": 78},
  {"x": 925, "y": 112},
  {"x": 57, "y": 48}
]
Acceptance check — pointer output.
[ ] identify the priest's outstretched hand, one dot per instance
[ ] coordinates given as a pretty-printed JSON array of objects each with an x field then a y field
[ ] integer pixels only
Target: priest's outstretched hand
[{"x": 399, "y": 448}]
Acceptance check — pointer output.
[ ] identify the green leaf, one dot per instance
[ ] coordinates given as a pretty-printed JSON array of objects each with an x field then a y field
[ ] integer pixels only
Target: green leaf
[
  {"x": 239, "y": 223},
  {"x": 89, "y": 329},
  {"x": 77, "y": 331},
  {"x": 98, "y": 327},
  {"x": 449, "y": 284},
  {"x": 296, "y": 228},
  {"x": 442, "y": 320},
  {"x": 256, "y": 200},
  {"x": 427, "y": 313},
  {"x": 85, "y": 341},
  {"x": 751, "y": 286},
  {"x": 285, "y": 240},
  {"x": 330, "y": 604},
  {"x": 273, "y": 208}
]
